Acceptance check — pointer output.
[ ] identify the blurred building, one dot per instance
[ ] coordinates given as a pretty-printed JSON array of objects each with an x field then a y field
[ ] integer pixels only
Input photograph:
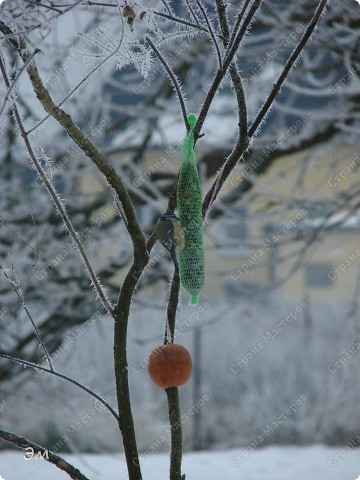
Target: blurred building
[{"x": 301, "y": 246}]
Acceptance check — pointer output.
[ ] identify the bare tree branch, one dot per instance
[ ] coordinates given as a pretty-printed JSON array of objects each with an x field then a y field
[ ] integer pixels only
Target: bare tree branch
[
  {"x": 212, "y": 35},
  {"x": 63, "y": 377},
  {"x": 289, "y": 64},
  {"x": 241, "y": 146},
  {"x": 192, "y": 12},
  {"x": 181, "y": 20},
  {"x": 55, "y": 198},
  {"x": 121, "y": 317},
  {"x": 222, "y": 72},
  {"x": 232, "y": 39},
  {"x": 173, "y": 79},
  {"x": 14, "y": 81},
  {"x": 93, "y": 153},
  {"x": 235, "y": 75},
  {"x": 85, "y": 78},
  {"x": 121, "y": 310},
  {"x": 172, "y": 394},
  {"x": 19, "y": 293},
  {"x": 241, "y": 101},
  {"x": 235, "y": 29},
  {"x": 59, "y": 462}
]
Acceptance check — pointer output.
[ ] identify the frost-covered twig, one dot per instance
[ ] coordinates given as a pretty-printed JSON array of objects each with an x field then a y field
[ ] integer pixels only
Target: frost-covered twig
[
  {"x": 234, "y": 46},
  {"x": 68, "y": 7},
  {"x": 55, "y": 198},
  {"x": 166, "y": 5},
  {"x": 16, "y": 286},
  {"x": 49, "y": 6},
  {"x": 211, "y": 32},
  {"x": 47, "y": 455},
  {"x": 14, "y": 81},
  {"x": 85, "y": 78},
  {"x": 26, "y": 363},
  {"x": 168, "y": 16},
  {"x": 237, "y": 24},
  {"x": 180, "y": 20},
  {"x": 192, "y": 12},
  {"x": 289, "y": 64},
  {"x": 241, "y": 101},
  {"x": 173, "y": 79},
  {"x": 122, "y": 309},
  {"x": 222, "y": 72},
  {"x": 240, "y": 148},
  {"x": 94, "y": 154}
]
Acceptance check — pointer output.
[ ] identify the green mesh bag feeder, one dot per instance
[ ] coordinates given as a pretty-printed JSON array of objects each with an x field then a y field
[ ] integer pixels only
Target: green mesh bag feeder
[{"x": 189, "y": 204}]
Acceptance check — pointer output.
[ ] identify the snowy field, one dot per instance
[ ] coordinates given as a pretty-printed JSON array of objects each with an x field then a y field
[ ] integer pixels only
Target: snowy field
[{"x": 271, "y": 463}]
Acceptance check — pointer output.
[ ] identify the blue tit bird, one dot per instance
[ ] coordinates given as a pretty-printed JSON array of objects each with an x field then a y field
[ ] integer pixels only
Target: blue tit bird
[{"x": 170, "y": 235}]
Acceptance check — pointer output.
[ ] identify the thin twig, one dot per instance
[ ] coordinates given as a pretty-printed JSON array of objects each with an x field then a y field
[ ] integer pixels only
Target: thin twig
[
  {"x": 168, "y": 16},
  {"x": 8, "y": 36},
  {"x": 215, "y": 191},
  {"x": 212, "y": 35},
  {"x": 180, "y": 20},
  {"x": 59, "y": 462},
  {"x": 84, "y": 79},
  {"x": 242, "y": 145},
  {"x": 221, "y": 73},
  {"x": 14, "y": 81},
  {"x": 241, "y": 100},
  {"x": 192, "y": 12},
  {"x": 21, "y": 297},
  {"x": 225, "y": 171},
  {"x": 93, "y": 153},
  {"x": 26, "y": 363},
  {"x": 164, "y": 2},
  {"x": 36, "y": 247},
  {"x": 151, "y": 241},
  {"x": 173, "y": 80},
  {"x": 233, "y": 48},
  {"x": 89, "y": 149},
  {"x": 237, "y": 24},
  {"x": 49, "y": 7},
  {"x": 54, "y": 196},
  {"x": 14, "y": 232},
  {"x": 68, "y": 7},
  {"x": 289, "y": 64}
]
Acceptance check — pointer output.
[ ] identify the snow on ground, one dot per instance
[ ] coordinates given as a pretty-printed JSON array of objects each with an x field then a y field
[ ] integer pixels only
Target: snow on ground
[{"x": 271, "y": 463}]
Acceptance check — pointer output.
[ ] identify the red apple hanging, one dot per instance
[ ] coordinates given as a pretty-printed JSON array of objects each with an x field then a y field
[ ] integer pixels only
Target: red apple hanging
[{"x": 170, "y": 365}]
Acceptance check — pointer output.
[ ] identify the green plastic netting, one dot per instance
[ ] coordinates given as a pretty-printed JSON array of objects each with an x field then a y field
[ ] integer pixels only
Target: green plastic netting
[{"x": 189, "y": 204}]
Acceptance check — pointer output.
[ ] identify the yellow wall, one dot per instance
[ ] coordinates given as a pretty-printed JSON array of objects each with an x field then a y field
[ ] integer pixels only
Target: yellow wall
[{"x": 309, "y": 177}]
